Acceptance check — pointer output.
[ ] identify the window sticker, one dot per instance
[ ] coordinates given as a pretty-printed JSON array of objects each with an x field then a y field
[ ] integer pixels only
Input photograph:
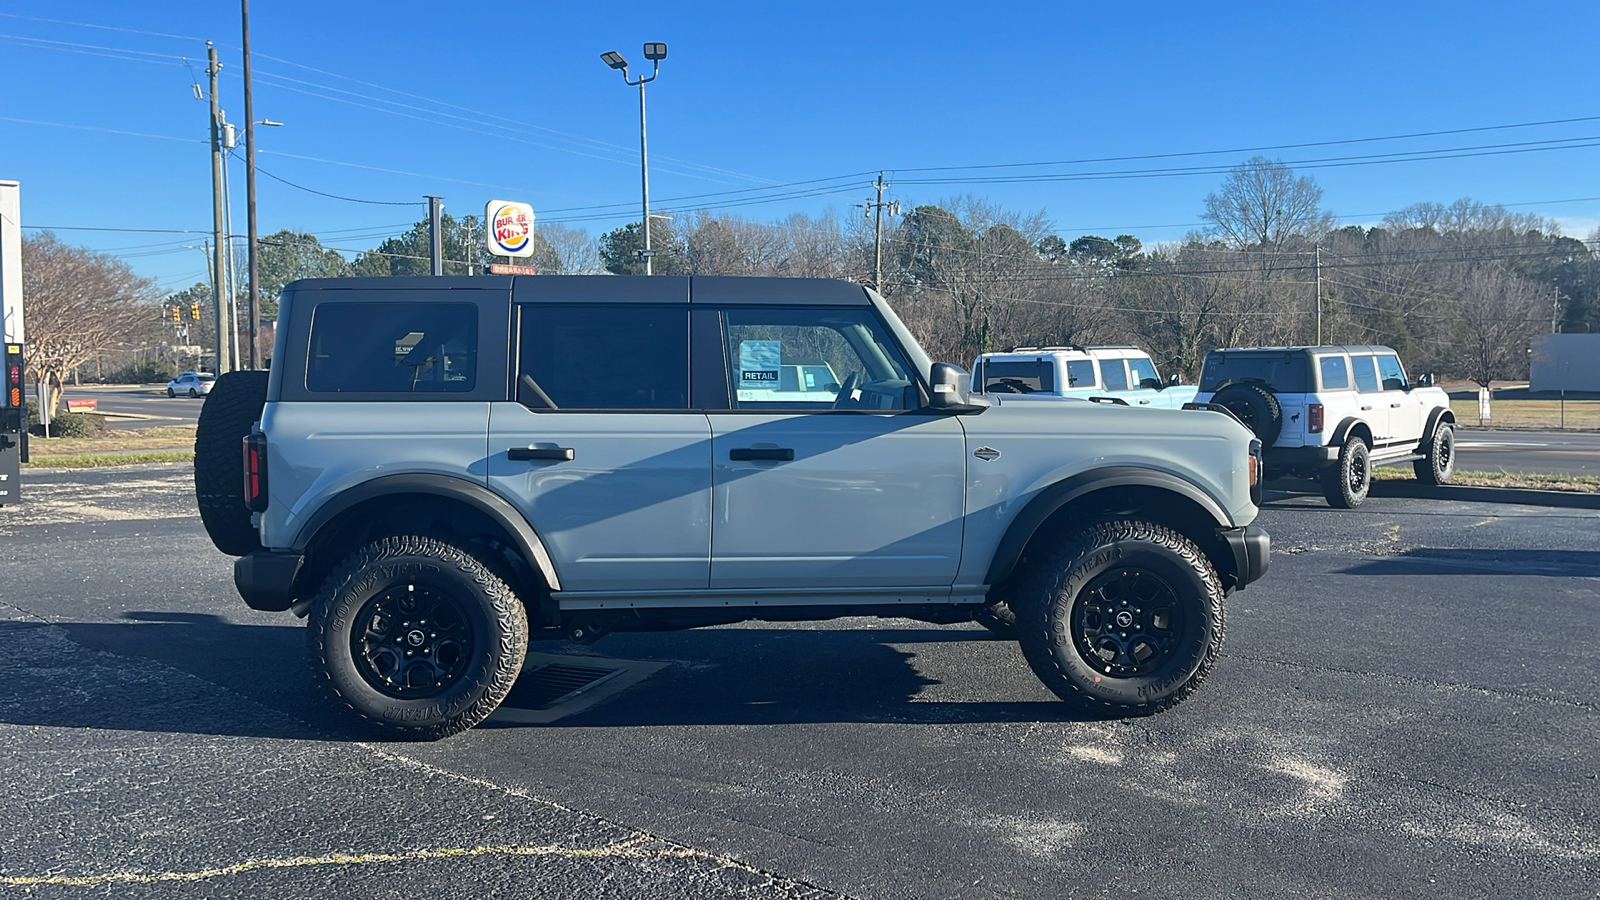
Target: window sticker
[{"x": 758, "y": 364}]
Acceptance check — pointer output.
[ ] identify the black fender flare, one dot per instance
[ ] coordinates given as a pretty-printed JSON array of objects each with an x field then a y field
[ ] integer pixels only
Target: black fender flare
[
  {"x": 1438, "y": 414},
  {"x": 1342, "y": 433},
  {"x": 1047, "y": 501},
  {"x": 480, "y": 498}
]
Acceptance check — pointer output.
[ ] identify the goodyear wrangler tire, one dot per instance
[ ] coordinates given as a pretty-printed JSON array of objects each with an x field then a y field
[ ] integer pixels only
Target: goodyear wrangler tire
[
  {"x": 1438, "y": 464},
  {"x": 421, "y": 638},
  {"x": 1125, "y": 619},
  {"x": 1346, "y": 485},
  {"x": 233, "y": 407}
]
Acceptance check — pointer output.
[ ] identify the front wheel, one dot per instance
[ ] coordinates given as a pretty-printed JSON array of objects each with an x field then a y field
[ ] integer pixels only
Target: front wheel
[
  {"x": 1438, "y": 464},
  {"x": 171, "y": 393},
  {"x": 1346, "y": 485},
  {"x": 1125, "y": 619},
  {"x": 419, "y": 637}
]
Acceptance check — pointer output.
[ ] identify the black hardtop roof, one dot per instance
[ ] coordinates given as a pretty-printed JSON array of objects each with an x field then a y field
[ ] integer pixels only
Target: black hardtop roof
[
  {"x": 723, "y": 289},
  {"x": 1323, "y": 348}
]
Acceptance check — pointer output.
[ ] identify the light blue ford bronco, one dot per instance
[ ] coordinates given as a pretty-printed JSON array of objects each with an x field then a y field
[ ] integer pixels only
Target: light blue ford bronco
[{"x": 437, "y": 468}]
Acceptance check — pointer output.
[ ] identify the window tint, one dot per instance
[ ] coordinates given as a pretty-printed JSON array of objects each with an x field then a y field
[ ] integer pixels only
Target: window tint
[
  {"x": 1019, "y": 376},
  {"x": 1080, "y": 373},
  {"x": 840, "y": 347},
  {"x": 1288, "y": 373},
  {"x": 393, "y": 347},
  {"x": 1113, "y": 374},
  {"x": 1394, "y": 378},
  {"x": 1366, "y": 374},
  {"x": 1143, "y": 371},
  {"x": 604, "y": 357},
  {"x": 1335, "y": 377}
]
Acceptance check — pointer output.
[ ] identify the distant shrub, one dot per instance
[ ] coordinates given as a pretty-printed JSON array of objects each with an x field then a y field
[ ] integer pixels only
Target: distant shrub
[
  {"x": 143, "y": 373},
  {"x": 73, "y": 425}
]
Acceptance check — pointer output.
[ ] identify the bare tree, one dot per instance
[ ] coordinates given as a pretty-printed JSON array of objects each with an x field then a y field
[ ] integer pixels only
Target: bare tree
[
  {"x": 78, "y": 303},
  {"x": 1263, "y": 205},
  {"x": 1500, "y": 314},
  {"x": 560, "y": 250}
]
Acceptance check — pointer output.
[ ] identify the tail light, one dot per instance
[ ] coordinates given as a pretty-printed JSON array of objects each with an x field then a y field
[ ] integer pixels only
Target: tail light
[
  {"x": 255, "y": 472},
  {"x": 1314, "y": 418}
]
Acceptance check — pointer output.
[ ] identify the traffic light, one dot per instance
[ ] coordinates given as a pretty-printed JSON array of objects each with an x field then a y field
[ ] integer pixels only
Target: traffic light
[
  {"x": 194, "y": 311},
  {"x": 177, "y": 316}
]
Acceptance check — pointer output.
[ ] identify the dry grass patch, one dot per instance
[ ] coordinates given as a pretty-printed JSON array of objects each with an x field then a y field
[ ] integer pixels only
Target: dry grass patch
[
  {"x": 167, "y": 437},
  {"x": 1578, "y": 484},
  {"x": 1540, "y": 415}
]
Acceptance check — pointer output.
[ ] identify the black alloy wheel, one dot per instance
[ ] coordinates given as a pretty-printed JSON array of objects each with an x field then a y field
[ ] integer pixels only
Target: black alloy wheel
[
  {"x": 415, "y": 641},
  {"x": 1127, "y": 622}
]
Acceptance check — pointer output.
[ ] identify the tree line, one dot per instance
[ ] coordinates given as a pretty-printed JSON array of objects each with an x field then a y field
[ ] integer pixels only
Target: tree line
[{"x": 1459, "y": 289}]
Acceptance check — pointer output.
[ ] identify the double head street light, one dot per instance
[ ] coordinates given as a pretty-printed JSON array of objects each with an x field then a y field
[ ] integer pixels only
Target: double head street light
[{"x": 655, "y": 53}]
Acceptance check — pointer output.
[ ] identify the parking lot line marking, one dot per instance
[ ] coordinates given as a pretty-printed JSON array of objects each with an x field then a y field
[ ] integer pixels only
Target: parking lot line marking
[
  {"x": 1484, "y": 522},
  {"x": 628, "y": 848}
]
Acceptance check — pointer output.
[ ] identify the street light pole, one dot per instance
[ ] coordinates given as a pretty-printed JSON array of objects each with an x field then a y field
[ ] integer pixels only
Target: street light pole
[
  {"x": 655, "y": 52},
  {"x": 250, "y": 185}
]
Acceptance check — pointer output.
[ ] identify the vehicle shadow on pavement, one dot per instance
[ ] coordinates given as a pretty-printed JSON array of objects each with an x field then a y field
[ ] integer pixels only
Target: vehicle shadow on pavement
[
  {"x": 777, "y": 676},
  {"x": 1432, "y": 561},
  {"x": 200, "y": 674}
]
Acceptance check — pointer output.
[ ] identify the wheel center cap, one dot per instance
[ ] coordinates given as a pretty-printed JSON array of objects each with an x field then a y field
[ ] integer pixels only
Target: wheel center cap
[
  {"x": 415, "y": 638},
  {"x": 1124, "y": 618}
]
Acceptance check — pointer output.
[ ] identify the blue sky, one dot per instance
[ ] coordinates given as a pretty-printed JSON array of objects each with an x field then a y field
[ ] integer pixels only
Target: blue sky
[{"x": 388, "y": 102}]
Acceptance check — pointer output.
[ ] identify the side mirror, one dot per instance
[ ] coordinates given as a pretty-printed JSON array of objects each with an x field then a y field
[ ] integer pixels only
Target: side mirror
[
  {"x": 1172, "y": 380},
  {"x": 952, "y": 390},
  {"x": 1426, "y": 380}
]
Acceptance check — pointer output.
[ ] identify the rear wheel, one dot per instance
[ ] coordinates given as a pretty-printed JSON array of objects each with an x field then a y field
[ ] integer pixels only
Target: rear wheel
[
  {"x": 231, "y": 410},
  {"x": 1345, "y": 486},
  {"x": 192, "y": 394},
  {"x": 1438, "y": 464},
  {"x": 1126, "y": 618},
  {"x": 419, "y": 637},
  {"x": 1254, "y": 405}
]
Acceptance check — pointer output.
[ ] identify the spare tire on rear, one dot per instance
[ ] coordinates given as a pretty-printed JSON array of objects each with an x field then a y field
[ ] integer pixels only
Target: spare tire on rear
[
  {"x": 1255, "y": 406},
  {"x": 231, "y": 410}
]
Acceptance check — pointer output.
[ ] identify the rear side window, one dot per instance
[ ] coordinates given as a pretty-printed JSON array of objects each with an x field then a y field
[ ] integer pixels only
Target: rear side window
[
  {"x": 1113, "y": 374},
  {"x": 1144, "y": 372},
  {"x": 393, "y": 347},
  {"x": 1288, "y": 373},
  {"x": 1080, "y": 373},
  {"x": 1394, "y": 378},
  {"x": 604, "y": 357},
  {"x": 1019, "y": 376},
  {"x": 1335, "y": 377},
  {"x": 1366, "y": 374}
]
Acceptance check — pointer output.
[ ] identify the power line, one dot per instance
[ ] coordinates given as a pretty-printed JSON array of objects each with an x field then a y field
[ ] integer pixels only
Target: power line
[{"x": 337, "y": 197}]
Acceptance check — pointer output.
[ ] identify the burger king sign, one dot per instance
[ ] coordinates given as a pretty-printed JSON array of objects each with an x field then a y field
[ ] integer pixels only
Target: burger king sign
[{"x": 510, "y": 231}]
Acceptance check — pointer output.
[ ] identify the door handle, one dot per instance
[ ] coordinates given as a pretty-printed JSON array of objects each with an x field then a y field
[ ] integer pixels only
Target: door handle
[
  {"x": 1394, "y": 406},
  {"x": 781, "y": 454},
  {"x": 1144, "y": 402},
  {"x": 527, "y": 453},
  {"x": 1365, "y": 408}
]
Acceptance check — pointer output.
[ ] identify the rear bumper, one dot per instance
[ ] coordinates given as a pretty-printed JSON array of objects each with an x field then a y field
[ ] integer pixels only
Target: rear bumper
[
  {"x": 1251, "y": 548},
  {"x": 266, "y": 580},
  {"x": 1298, "y": 459}
]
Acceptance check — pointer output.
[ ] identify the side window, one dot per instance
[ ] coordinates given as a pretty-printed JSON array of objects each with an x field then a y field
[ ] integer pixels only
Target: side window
[
  {"x": 1080, "y": 373},
  {"x": 1335, "y": 377},
  {"x": 1144, "y": 373},
  {"x": 1113, "y": 374},
  {"x": 604, "y": 357},
  {"x": 810, "y": 358},
  {"x": 393, "y": 347},
  {"x": 1394, "y": 377},
  {"x": 1366, "y": 374}
]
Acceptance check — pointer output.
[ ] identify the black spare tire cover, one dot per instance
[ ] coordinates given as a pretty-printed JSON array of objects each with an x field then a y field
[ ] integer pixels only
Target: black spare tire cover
[
  {"x": 232, "y": 408},
  {"x": 1255, "y": 406}
]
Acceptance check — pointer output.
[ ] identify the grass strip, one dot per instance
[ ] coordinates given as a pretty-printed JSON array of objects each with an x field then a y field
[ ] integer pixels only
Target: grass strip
[
  {"x": 96, "y": 460},
  {"x": 1579, "y": 484}
]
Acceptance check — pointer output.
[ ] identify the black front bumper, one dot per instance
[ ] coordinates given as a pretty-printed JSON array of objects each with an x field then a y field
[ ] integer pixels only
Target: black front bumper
[
  {"x": 1251, "y": 546},
  {"x": 266, "y": 580}
]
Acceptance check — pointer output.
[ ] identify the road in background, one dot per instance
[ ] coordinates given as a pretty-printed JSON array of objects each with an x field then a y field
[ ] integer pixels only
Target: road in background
[
  {"x": 1528, "y": 452},
  {"x": 1405, "y": 707},
  {"x": 133, "y": 408}
]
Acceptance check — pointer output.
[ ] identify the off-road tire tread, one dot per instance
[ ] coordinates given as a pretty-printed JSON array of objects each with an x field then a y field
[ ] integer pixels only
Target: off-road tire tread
[
  {"x": 1336, "y": 484},
  {"x": 232, "y": 408},
  {"x": 1270, "y": 424},
  {"x": 1427, "y": 468},
  {"x": 1048, "y": 576},
  {"x": 372, "y": 564},
  {"x": 998, "y": 616}
]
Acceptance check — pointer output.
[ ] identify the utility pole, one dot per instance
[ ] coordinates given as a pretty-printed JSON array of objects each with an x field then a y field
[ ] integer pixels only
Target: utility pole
[
  {"x": 435, "y": 239},
  {"x": 1555, "y": 310},
  {"x": 876, "y": 208},
  {"x": 1319, "y": 295},
  {"x": 219, "y": 271},
  {"x": 250, "y": 183}
]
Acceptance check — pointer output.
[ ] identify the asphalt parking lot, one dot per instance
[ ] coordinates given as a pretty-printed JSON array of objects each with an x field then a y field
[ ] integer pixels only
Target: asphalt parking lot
[{"x": 1406, "y": 707}]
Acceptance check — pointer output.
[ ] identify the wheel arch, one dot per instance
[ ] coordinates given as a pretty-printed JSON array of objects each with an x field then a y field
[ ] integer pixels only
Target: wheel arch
[
  {"x": 1439, "y": 414},
  {"x": 1120, "y": 492},
  {"x": 426, "y": 503},
  {"x": 1352, "y": 425}
]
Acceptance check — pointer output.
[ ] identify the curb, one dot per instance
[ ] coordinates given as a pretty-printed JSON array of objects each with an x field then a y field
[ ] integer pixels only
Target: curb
[{"x": 1524, "y": 496}]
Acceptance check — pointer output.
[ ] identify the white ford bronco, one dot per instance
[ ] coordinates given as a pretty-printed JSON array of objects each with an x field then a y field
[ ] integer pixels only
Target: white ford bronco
[
  {"x": 437, "y": 467},
  {"x": 1332, "y": 413},
  {"x": 1117, "y": 373}
]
